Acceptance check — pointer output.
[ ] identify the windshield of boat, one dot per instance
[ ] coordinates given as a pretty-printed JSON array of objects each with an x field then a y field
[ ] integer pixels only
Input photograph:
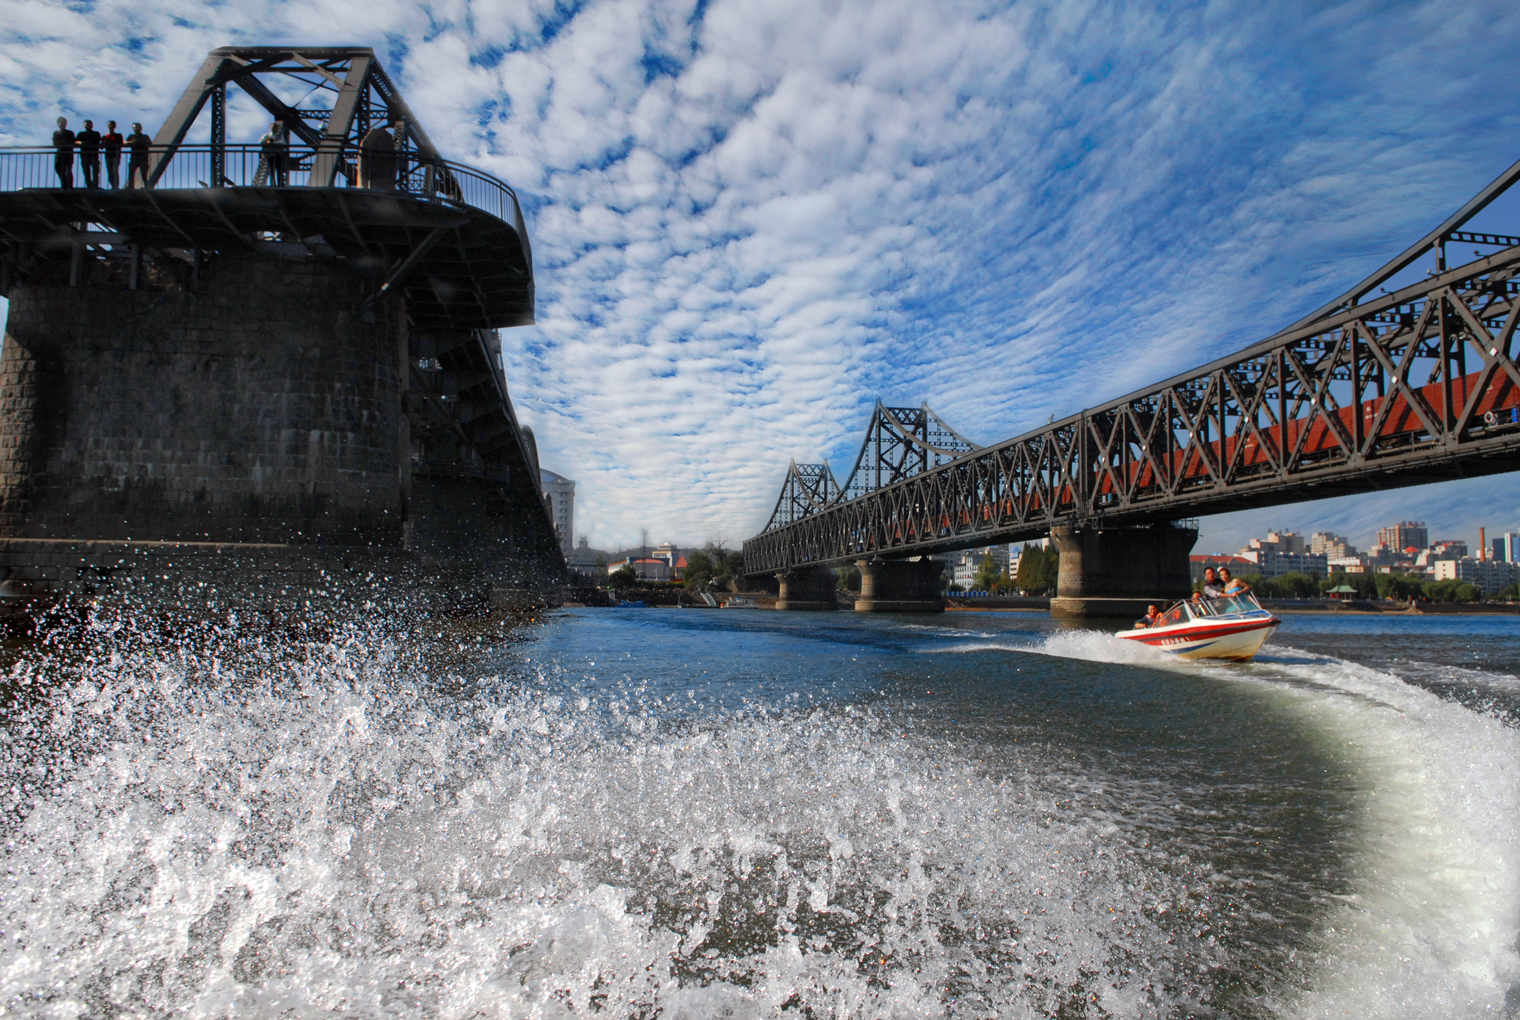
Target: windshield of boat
[
  {"x": 1176, "y": 614},
  {"x": 1244, "y": 603}
]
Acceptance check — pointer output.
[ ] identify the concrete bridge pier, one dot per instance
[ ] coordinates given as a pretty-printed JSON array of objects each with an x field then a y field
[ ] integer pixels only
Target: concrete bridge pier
[
  {"x": 899, "y": 586},
  {"x": 1115, "y": 572},
  {"x": 806, "y": 588}
]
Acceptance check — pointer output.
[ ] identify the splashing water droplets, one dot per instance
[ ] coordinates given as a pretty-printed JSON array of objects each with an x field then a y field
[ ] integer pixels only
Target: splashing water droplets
[{"x": 328, "y": 831}]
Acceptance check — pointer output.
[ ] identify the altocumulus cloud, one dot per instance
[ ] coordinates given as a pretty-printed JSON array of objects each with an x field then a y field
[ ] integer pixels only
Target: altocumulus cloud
[{"x": 751, "y": 219}]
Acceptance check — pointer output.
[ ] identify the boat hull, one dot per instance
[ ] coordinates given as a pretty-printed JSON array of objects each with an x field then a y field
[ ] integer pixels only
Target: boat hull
[{"x": 1234, "y": 641}]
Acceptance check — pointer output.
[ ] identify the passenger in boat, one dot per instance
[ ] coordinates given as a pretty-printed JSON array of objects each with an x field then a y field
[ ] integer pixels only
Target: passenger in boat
[
  {"x": 1232, "y": 585},
  {"x": 1211, "y": 588},
  {"x": 1152, "y": 617}
]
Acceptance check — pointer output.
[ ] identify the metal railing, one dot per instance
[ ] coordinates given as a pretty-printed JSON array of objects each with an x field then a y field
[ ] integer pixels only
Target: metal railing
[{"x": 235, "y": 166}]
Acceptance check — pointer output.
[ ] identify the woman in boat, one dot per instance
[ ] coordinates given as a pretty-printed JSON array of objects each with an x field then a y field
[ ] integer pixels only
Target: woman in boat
[{"x": 1232, "y": 585}]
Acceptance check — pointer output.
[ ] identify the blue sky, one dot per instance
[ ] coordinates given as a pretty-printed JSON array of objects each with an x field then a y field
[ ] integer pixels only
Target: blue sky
[{"x": 752, "y": 218}]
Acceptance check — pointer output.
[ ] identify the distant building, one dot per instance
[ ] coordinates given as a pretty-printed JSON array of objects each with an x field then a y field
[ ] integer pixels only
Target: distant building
[
  {"x": 1282, "y": 553},
  {"x": 1330, "y": 545},
  {"x": 668, "y": 553},
  {"x": 1491, "y": 576},
  {"x": 966, "y": 563},
  {"x": 1347, "y": 565},
  {"x": 1507, "y": 548},
  {"x": 647, "y": 568},
  {"x": 1289, "y": 542},
  {"x": 1269, "y": 563},
  {"x": 588, "y": 562},
  {"x": 1404, "y": 535},
  {"x": 1448, "y": 549},
  {"x": 559, "y": 493}
]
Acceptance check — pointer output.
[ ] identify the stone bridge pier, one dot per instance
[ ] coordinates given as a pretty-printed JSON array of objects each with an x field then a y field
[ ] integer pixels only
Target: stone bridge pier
[
  {"x": 806, "y": 588},
  {"x": 899, "y": 586},
  {"x": 1114, "y": 572}
]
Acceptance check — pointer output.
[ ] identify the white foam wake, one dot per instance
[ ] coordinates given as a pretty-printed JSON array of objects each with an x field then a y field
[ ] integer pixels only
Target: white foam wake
[
  {"x": 325, "y": 836},
  {"x": 1431, "y": 930}
]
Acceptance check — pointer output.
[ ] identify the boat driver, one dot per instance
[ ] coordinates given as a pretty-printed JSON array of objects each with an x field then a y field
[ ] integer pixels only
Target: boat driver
[
  {"x": 1152, "y": 617},
  {"x": 1212, "y": 588}
]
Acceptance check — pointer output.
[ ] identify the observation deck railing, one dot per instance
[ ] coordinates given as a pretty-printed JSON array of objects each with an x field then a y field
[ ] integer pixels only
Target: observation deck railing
[{"x": 233, "y": 166}]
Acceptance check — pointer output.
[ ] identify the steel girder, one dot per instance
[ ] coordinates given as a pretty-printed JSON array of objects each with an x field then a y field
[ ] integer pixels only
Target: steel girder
[
  {"x": 901, "y": 442},
  {"x": 1417, "y": 386},
  {"x": 364, "y": 97}
]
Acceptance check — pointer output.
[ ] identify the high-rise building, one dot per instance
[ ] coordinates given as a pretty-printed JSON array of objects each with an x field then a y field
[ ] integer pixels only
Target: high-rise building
[
  {"x": 559, "y": 493},
  {"x": 1327, "y": 543},
  {"x": 1404, "y": 535},
  {"x": 1507, "y": 547}
]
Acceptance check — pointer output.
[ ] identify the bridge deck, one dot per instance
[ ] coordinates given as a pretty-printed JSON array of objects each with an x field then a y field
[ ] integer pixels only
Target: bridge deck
[{"x": 476, "y": 273}]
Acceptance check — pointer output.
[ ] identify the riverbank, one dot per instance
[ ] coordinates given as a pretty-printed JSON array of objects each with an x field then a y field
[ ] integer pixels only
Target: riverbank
[{"x": 1022, "y": 604}]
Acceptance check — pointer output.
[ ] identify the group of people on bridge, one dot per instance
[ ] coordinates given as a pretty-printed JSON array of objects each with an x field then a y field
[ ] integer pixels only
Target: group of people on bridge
[
  {"x": 90, "y": 145},
  {"x": 1216, "y": 585},
  {"x": 377, "y": 167}
]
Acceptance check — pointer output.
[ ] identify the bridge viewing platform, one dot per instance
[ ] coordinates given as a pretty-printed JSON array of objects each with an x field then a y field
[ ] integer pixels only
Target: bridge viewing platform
[
  {"x": 273, "y": 363},
  {"x": 1406, "y": 379}
]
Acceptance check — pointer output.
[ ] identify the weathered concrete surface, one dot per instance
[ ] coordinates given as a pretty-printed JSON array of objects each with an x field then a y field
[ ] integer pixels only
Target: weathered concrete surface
[
  {"x": 1114, "y": 573},
  {"x": 242, "y": 439},
  {"x": 900, "y": 586},
  {"x": 810, "y": 588},
  {"x": 251, "y": 408}
]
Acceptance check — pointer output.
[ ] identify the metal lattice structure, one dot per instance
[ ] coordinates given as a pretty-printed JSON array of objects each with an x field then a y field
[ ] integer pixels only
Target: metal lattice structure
[
  {"x": 362, "y": 94},
  {"x": 1418, "y": 385},
  {"x": 900, "y": 442},
  {"x": 808, "y": 489}
]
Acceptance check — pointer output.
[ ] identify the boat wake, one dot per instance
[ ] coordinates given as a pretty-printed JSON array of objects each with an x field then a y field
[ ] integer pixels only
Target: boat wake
[
  {"x": 328, "y": 830},
  {"x": 1431, "y": 927}
]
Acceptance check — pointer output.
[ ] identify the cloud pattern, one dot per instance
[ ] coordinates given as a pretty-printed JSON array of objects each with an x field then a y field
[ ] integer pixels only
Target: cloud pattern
[{"x": 751, "y": 219}]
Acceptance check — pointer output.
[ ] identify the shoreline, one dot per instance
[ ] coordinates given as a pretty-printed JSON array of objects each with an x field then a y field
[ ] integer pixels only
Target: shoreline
[{"x": 1293, "y": 607}]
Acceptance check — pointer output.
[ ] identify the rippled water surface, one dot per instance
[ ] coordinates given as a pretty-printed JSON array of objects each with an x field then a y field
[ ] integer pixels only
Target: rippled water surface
[{"x": 642, "y": 813}]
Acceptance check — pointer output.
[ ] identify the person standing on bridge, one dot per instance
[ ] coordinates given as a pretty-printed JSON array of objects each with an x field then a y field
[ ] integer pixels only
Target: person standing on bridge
[
  {"x": 110, "y": 142},
  {"x": 138, "y": 146},
  {"x": 63, "y": 154},
  {"x": 377, "y": 159},
  {"x": 275, "y": 148},
  {"x": 89, "y": 154}
]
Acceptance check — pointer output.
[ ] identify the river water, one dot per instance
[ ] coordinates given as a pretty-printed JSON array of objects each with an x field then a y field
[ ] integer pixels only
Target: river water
[{"x": 665, "y": 813}]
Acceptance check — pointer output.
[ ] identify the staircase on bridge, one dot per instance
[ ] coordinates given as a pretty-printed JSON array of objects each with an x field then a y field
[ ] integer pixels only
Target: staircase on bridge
[
  {"x": 272, "y": 354},
  {"x": 1405, "y": 379}
]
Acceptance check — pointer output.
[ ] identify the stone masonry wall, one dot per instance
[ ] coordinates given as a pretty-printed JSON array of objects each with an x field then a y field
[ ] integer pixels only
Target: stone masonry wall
[{"x": 252, "y": 406}]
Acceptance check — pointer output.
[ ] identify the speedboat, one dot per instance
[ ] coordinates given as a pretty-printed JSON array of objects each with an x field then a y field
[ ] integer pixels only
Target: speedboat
[{"x": 1234, "y": 627}]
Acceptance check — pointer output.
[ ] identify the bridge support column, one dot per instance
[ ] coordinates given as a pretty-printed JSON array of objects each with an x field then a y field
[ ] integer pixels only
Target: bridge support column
[
  {"x": 806, "y": 588},
  {"x": 899, "y": 586},
  {"x": 1115, "y": 572}
]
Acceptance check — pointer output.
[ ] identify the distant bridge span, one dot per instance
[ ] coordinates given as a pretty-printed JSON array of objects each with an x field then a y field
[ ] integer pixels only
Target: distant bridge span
[{"x": 1414, "y": 386}]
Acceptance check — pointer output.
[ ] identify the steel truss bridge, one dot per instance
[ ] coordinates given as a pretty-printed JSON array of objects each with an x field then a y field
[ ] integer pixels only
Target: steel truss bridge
[{"x": 1372, "y": 391}]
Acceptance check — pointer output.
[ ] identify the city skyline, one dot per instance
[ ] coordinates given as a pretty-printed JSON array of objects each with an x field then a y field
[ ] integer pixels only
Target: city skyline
[{"x": 1008, "y": 212}]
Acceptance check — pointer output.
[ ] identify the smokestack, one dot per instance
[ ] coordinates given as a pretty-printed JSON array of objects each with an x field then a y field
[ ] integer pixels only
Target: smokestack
[{"x": 1482, "y": 544}]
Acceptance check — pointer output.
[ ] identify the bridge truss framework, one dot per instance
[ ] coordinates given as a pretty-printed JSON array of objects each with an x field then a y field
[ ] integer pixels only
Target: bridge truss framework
[{"x": 1418, "y": 385}]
